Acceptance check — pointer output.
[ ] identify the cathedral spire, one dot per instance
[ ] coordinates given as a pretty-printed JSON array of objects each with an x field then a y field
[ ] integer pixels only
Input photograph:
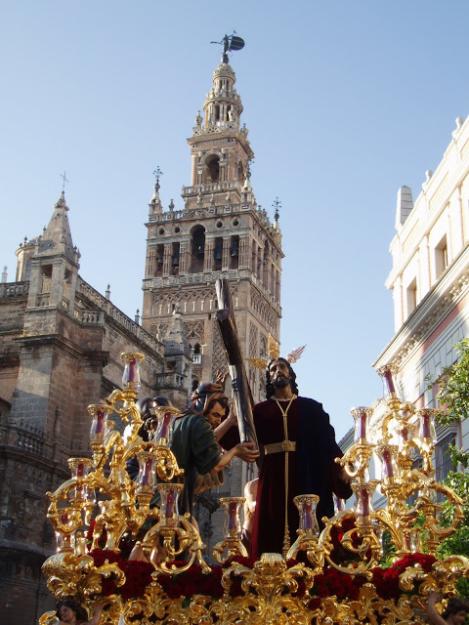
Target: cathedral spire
[{"x": 57, "y": 237}]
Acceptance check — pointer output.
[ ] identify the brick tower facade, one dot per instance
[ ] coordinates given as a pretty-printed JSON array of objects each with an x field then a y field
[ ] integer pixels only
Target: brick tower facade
[{"x": 219, "y": 232}]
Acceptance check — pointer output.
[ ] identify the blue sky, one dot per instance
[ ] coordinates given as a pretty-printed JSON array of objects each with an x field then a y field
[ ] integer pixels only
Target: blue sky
[{"x": 345, "y": 102}]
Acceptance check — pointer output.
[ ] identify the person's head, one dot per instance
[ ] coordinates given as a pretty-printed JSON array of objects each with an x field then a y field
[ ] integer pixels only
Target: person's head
[
  {"x": 210, "y": 401},
  {"x": 279, "y": 374},
  {"x": 147, "y": 411},
  {"x": 217, "y": 410},
  {"x": 70, "y": 611},
  {"x": 456, "y": 611}
]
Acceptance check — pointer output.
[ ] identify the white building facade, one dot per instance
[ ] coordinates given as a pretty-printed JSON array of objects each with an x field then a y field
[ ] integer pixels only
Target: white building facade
[{"x": 429, "y": 281}]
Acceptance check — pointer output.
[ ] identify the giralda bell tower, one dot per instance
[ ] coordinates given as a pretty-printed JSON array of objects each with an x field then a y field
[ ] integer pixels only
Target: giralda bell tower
[{"x": 219, "y": 231}]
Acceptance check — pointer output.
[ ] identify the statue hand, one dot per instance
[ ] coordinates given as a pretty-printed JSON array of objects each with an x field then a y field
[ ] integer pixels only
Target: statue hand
[{"x": 247, "y": 451}]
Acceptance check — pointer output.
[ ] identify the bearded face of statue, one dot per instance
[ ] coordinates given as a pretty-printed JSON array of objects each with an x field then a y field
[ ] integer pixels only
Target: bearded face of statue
[{"x": 279, "y": 373}]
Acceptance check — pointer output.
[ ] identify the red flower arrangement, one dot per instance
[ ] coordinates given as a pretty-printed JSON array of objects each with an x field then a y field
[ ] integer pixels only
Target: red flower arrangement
[
  {"x": 331, "y": 582},
  {"x": 386, "y": 581}
]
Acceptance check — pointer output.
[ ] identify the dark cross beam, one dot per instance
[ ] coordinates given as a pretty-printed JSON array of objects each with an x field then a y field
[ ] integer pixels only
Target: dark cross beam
[{"x": 242, "y": 391}]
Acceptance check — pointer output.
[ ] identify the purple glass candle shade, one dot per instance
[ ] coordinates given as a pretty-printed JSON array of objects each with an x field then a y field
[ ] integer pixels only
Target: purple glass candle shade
[
  {"x": 386, "y": 373},
  {"x": 232, "y": 507},
  {"x": 146, "y": 478},
  {"x": 169, "y": 495},
  {"x": 131, "y": 375},
  {"x": 164, "y": 429},
  {"x": 98, "y": 426},
  {"x": 361, "y": 416},
  {"x": 306, "y": 505}
]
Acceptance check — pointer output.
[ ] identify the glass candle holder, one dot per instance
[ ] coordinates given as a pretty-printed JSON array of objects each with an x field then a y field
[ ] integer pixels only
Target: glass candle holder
[
  {"x": 146, "y": 478},
  {"x": 169, "y": 495},
  {"x": 426, "y": 426},
  {"x": 386, "y": 453},
  {"x": 165, "y": 415},
  {"x": 361, "y": 414},
  {"x": 232, "y": 506},
  {"x": 131, "y": 375},
  {"x": 364, "y": 495},
  {"x": 386, "y": 373},
  {"x": 79, "y": 468},
  {"x": 306, "y": 505},
  {"x": 98, "y": 424}
]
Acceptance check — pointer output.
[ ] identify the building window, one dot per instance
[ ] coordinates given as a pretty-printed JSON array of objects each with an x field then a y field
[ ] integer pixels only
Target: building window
[
  {"x": 197, "y": 354},
  {"x": 175, "y": 258},
  {"x": 159, "y": 260},
  {"x": 443, "y": 464},
  {"x": 412, "y": 297},
  {"x": 218, "y": 254},
  {"x": 213, "y": 169},
  {"x": 234, "y": 252},
  {"x": 441, "y": 258},
  {"x": 197, "y": 249}
]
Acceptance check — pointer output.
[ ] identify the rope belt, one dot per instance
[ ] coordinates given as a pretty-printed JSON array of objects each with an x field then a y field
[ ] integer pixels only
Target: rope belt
[
  {"x": 277, "y": 448},
  {"x": 285, "y": 446}
]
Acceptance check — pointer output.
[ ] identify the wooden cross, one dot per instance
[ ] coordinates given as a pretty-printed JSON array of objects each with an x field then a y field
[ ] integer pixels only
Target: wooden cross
[{"x": 242, "y": 392}]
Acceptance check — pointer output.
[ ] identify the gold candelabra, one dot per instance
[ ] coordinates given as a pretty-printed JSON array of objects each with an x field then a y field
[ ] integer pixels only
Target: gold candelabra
[{"x": 126, "y": 493}]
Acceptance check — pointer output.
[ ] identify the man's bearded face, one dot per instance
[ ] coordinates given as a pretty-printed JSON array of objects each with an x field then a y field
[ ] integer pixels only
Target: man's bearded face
[{"x": 279, "y": 374}]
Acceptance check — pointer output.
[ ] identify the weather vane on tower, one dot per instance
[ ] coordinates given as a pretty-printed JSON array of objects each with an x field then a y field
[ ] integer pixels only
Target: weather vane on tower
[{"x": 230, "y": 43}]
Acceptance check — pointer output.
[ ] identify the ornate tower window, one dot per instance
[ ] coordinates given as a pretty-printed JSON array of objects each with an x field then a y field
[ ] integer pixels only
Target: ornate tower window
[
  {"x": 218, "y": 254},
  {"x": 159, "y": 260},
  {"x": 197, "y": 354},
  {"x": 234, "y": 252},
  {"x": 197, "y": 249},
  {"x": 175, "y": 254},
  {"x": 212, "y": 173}
]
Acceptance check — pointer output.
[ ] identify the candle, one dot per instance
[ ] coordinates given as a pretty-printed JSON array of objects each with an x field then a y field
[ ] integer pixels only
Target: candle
[
  {"x": 232, "y": 507},
  {"x": 169, "y": 495},
  {"x": 131, "y": 375},
  {"x": 386, "y": 373},
  {"x": 306, "y": 505},
  {"x": 361, "y": 415}
]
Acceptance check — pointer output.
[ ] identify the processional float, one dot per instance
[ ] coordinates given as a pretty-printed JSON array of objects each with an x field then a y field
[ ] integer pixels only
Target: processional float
[{"x": 123, "y": 538}]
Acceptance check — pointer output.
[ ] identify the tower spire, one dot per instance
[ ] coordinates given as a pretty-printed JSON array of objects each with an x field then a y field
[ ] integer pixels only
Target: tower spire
[
  {"x": 155, "y": 202},
  {"x": 57, "y": 237}
]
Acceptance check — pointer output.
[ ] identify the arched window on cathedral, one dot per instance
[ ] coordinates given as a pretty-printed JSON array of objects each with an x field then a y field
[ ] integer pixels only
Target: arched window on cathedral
[
  {"x": 212, "y": 172},
  {"x": 159, "y": 260},
  {"x": 197, "y": 354},
  {"x": 240, "y": 172},
  {"x": 175, "y": 258},
  {"x": 234, "y": 252},
  {"x": 197, "y": 249},
  {"x": 218, "y": 254}
]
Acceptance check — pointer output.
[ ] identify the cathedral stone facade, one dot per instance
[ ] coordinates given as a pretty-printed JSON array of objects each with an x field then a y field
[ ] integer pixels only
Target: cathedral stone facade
[{"x": 60, "y": 346}]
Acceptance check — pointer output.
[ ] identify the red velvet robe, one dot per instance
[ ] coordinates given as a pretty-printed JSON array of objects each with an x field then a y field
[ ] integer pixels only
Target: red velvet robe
[{"x": 312, "y": 469}]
